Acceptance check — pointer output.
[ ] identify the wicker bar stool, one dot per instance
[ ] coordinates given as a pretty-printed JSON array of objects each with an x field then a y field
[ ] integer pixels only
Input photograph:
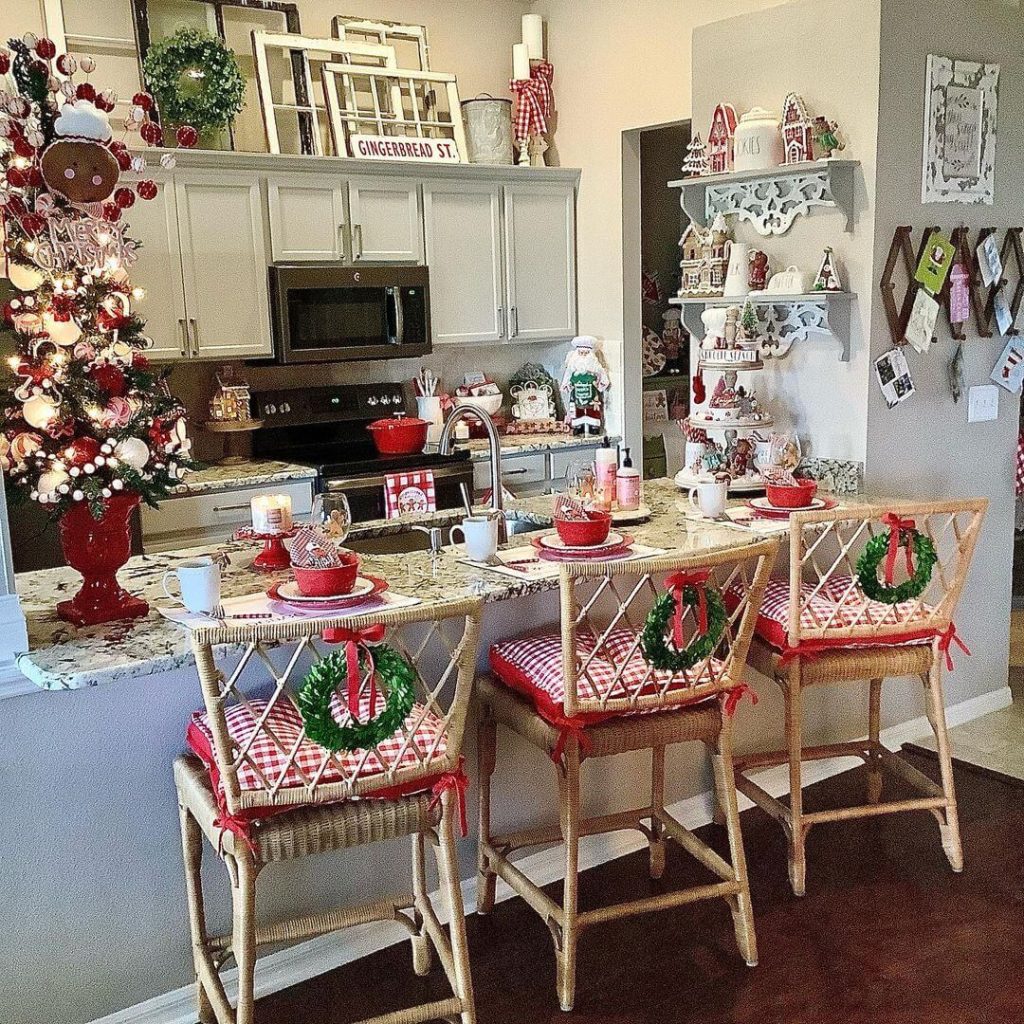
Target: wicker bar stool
[
  {"x": 591, "y": 690},
  {"x": 262, "y": 790},
  {"x": 825, "y": 626}
]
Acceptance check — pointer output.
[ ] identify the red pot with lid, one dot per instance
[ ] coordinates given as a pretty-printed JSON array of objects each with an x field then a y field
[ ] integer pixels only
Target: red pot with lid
[{"x": 399, "y": 435}]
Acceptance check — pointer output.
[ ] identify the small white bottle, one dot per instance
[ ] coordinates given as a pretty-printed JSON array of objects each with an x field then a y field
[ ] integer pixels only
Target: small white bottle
[
  {"x": 627, "y": 485},
  {"x": 606, "y": 462}
]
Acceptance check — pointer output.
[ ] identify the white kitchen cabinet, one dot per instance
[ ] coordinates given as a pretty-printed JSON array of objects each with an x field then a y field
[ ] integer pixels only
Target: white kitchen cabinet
[
  {"x": 307, "y": 218},
  {"x": 224, "y": 264},
  {"x": 386, "y": 221},
  {"x": 154, "y": 222},
  {"x": 466, "y": 260},
  {"x": 540, "y": 242}
]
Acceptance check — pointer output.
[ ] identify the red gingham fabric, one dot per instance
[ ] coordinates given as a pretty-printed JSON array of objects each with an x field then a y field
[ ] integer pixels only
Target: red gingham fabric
[
  {"x": 1019, "y": 476},
  {"x": 396, "y": 483},
  {"x": 534, "y": 101},
  {"x": 838, "y": 592},
  {"x": 533, "y": 666},
  {"x": 429, "y": 739}
]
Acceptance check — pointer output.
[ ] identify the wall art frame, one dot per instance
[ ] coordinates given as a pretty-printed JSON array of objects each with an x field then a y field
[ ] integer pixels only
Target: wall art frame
[{"x": 960, "y": 129}]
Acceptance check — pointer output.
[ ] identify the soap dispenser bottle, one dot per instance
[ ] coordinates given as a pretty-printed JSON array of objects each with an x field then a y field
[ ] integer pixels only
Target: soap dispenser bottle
[
  {"x": 627, "y": 485},
  {"x": 606, "y": 461}
]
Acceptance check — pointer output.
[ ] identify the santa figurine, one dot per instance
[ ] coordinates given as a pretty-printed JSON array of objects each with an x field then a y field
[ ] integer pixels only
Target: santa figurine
[{"x": 584, "y": 383}]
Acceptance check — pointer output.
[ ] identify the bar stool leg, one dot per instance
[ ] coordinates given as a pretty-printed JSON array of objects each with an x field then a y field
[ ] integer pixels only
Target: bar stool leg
[
  {"x": 656, "y": 840},
  {"x": 793, "y": 692},
  {"x": 569, "y": 800},
  {"x": 243, "y": 935},
  {"x": 192, "y": 850},
  {"x": 950, "y": 831},
  {"x": 421, "y": 942},
  {"x": 486, "y": 752},
  {"x": 448, "y": 869},
  {"x": 725, "y": 796},
  {"x": 874, "y": 730}
]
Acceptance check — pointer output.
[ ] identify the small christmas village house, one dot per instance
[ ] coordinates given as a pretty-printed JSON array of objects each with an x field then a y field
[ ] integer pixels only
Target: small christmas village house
[
  {"x": 797, "y": 130},
  {"x": 705, "y": 258},
  {"x": 721, "y": 138},
  {"x": 692, "y": 246}
]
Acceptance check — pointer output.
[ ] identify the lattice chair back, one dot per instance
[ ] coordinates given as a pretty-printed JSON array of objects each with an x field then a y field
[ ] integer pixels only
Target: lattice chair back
[
  {"x": 876, "y": 574},
  {"x": 279, "y": 726},
  {"x": 656, "y": 633}
]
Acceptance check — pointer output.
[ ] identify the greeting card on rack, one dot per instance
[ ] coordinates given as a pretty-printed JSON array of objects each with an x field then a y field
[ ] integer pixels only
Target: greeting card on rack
[
  {"x": 894, "y": 378},
  {"x": 921, "y": 325},
  {"x": 1009, "y": 371}
]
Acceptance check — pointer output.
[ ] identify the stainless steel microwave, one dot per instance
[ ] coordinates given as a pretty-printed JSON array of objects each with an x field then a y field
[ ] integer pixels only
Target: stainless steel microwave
[{"x": 328, "y": 312}]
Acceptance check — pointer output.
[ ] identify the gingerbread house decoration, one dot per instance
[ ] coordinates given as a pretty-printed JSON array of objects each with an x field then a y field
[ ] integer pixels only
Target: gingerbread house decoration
[
  {"x": 705, "y": 259},
  {"x": 721, "y": 138},
  {"x": 797, "y": 130}
]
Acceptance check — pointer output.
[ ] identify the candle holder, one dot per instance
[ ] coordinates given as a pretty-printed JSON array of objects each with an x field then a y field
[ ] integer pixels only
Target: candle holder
[{"x": 274, "y": 557}]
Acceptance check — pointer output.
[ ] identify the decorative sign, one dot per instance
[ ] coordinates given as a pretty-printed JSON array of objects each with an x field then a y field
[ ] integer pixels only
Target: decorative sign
[
  {"x": 961, "y": 106},
  {"x": 93, "y": 244},
  {"x": 387, "y": 147}
]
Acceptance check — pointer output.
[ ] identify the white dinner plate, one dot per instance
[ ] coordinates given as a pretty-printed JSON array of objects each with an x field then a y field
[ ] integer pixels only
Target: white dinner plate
[
  {"x": 764, "y": 505},
  {"x": 290, "y": 592},
  {"x": 553, "y": 542}
]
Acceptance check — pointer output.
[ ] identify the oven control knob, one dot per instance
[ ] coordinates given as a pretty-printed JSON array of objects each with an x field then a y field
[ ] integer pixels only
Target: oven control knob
[
  {"x": 285, "y": 407},
  {"x": 271, "y": 409},
  {"x": 371, "y": 401}
]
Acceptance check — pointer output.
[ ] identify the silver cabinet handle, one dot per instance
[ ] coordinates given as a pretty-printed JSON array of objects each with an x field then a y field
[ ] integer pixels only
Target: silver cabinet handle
[
  {"x": 515, "y": 472},
  {"x": 357, "y": 246},
  {"x": 515, "y": 321},
  {"x": 233, "y": 508},
  {"x": 183, "y": 331},
  {"x": 502, "y": 326},
  {"x": 194, "y": 325}
]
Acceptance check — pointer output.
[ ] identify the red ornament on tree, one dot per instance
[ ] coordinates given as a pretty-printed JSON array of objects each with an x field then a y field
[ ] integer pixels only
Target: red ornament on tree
[
  {"x": 110, "y": 379},
  {"x": 124, "y": 197},
  {"x": 85, "y": 91},
  {"x": 187, "y": 136},
  {"x": 111, "y": 211},
  {"x": 110, "y": 320},
  {"x": 144, "y": 100},
  {"x": 147, "y": 189},
  {"x": 82, "y": 451},
  {"x": 152, "y": 133},
  {"x": 46, "y": 48},
  {"x": 5, "y": 62},
  {"x": 123, "y": 157},
  {"x": 23, "y": 148}
]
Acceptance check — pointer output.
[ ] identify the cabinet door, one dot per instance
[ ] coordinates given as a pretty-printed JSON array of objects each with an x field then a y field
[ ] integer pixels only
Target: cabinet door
[
  {"x": 464, "y": 255},
  {"x": 540, "y": 238},
  {"x": 154, "y": 224},
  {"x": 307, "y": 218},
  {"x": 224, "y": 260},
  {"x": 387, "y": 226}
]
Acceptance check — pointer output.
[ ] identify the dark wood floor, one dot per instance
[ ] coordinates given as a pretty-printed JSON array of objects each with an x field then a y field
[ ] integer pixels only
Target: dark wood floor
[{"x": 885, "y": 935}]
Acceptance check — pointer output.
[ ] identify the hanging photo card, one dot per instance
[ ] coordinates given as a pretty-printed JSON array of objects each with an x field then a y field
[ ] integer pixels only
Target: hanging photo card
[
  {"x": 1009, "y": 371},
  {"x": 990, "y": 263},
  {"x": 959, "y": 294},
  {"x": 894, "y": 378},
  {"x": 921, "y": 326},
  {"x": 936, "y": 260},
  {"x": 1004, "y": 315}
]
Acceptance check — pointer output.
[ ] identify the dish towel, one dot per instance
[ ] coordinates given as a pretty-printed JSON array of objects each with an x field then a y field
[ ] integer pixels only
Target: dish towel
[{"x": 409, "y": 493}]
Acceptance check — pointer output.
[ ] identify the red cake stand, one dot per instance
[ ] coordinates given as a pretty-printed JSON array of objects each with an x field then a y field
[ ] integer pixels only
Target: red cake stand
[{"x": 274, "y": 557}]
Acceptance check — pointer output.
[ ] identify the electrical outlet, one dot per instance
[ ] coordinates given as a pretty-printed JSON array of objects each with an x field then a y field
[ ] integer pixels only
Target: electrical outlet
[{"x": 983, "y": 403}]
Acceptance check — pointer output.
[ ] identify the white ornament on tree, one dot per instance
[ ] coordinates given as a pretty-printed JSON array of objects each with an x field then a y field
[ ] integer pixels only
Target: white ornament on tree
[
  {"x": 24, "y": 277},
  {"x": 39, "y": 411},
  {"x": 133, "y": 451},
  {"x": 61, "y": 332}
]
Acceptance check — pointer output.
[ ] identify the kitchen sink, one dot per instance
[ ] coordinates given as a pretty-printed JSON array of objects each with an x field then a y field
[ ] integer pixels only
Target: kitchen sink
[{"x": 408, "y": 538}]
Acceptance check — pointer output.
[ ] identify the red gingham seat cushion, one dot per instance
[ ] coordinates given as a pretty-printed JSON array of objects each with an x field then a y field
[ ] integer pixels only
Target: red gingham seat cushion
[
  {"x": 429, "y": 741},
  {"x": 838, "y": 602},
  {"x": 533, "y": 666}
]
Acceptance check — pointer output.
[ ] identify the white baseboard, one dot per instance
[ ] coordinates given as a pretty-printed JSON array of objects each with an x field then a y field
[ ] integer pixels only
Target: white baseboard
[{"x": 309, "y": 959}]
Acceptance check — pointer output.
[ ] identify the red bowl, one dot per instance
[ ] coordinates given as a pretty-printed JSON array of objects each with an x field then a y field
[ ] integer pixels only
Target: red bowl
[
  {"x": 784, "y": 496},
  {"x": 585, "y": 533},
  {"x": 404, "y": 435},
  {"x": 332, "y": 582}
]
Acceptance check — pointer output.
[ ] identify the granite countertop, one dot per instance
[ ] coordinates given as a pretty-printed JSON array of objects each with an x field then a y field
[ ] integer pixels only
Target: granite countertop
[
  {"x": 522, "y": 444},
  {"x": 63, "y": 657},
  {"x": 251, "y": 473}
]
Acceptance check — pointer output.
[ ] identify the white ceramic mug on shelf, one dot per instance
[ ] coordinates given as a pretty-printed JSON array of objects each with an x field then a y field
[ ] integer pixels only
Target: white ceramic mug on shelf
[
  {"x": 709, "y": 498},
  {"x": 479, "y": 534},
  {"x": 199, "y": 580}
]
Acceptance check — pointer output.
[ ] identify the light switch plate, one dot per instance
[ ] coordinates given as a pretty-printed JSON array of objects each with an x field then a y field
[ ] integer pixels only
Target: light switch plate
[{"x": 982, "y": 403}]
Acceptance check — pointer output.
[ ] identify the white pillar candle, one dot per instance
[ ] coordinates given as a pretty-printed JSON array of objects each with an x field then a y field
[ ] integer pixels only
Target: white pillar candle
[
  {"x": 533, "y": 35},
  {"x": 271, "y": 513},
  {"x": 520, "y": 61}
]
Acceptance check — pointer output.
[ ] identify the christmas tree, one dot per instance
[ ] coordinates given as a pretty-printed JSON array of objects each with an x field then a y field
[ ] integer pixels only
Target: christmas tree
[
  {"x": 85, "y": 416},
  {"x": 749, "y": 322},
  {"x": 696, "y": 162}
]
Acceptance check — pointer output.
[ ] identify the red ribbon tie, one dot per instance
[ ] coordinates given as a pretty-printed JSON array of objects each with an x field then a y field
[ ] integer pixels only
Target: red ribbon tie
[
  {"x": 676, "y": 583},
  {"x": 534, "y": 100},
  {"x": 896, "y": 527},
  {"x": 947, "y": 638},
  {"x": 353, "y": 639},
  {"x": 735, "y": 695},
  {"x": 457, "y": 782}
]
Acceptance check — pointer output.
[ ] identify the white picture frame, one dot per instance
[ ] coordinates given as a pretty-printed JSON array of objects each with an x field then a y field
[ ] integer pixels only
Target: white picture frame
[{"x": 960, "y": 122}]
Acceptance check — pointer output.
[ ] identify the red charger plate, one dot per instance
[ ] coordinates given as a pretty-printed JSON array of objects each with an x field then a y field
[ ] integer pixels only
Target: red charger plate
[{"x": 328, "y": 604}]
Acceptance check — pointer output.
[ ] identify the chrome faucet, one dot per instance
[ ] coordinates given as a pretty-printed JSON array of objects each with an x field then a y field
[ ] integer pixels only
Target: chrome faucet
[{"x": 444, "y": 447}]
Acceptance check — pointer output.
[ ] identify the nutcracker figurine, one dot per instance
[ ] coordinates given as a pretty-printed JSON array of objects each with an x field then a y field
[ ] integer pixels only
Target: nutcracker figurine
[{"x": 584, "y": 382}]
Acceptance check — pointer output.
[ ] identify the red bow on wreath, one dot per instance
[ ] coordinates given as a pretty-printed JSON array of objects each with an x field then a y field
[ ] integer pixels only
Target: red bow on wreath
[
  {"x": 896, "y": 527},
  {"x": 534, "y": 100},
  {"x": 353, "y": 639},
  {"x": 677, "y": 583}
]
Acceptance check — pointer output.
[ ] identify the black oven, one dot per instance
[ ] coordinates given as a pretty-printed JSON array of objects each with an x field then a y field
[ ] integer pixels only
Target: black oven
[{"x": 328, "y": 312}]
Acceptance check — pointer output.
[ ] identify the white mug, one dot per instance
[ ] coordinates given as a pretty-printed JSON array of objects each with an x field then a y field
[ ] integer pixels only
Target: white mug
[
  {"x": 709, "y": 497},
  {"x": 199, "y": 579},
  {"x": 428, "y": 407},
  {"x": 480, "y": 534}
]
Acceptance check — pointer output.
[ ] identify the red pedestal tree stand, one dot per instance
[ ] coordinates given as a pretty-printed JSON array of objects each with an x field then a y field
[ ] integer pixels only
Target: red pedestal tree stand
[{"x": 97, "y": 548}]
